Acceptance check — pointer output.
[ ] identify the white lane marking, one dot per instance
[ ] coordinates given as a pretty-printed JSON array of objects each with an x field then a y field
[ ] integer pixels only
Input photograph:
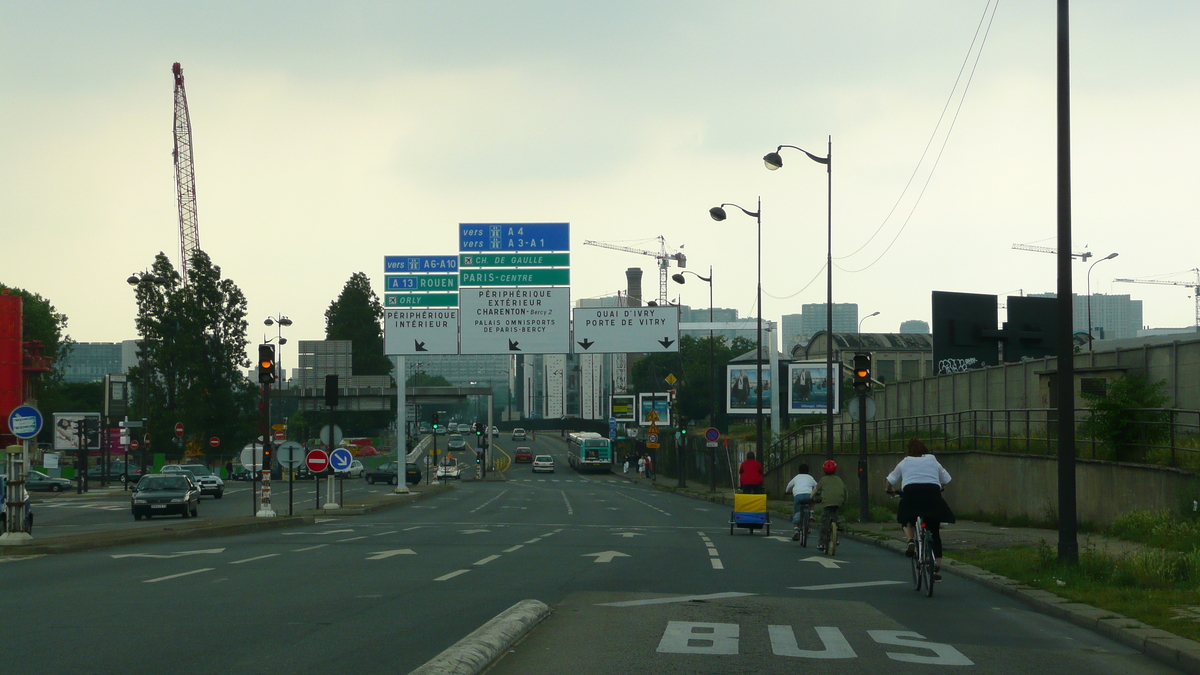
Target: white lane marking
[
  {"x": 291, "y": 534},
  {"x": 414, "y": 527},
  {"x": 489, "y": 501},
  {"x": 827, "y": 563},
  {"x": 644, "y": 503},
  {"x": 513, "y": 548},
  {"x": 717, "y": 564},
  {"x": 713, "y": 552},
  {"x": 570, "y": 511},
  {"x": 181, "y": 574},
  {"x": 15, "y": 558},
  {"x": 534, "y": 540},
  {"x": 169, "y": 555},
  {"x": 472, "y": 531},
  {"x": 380, "y": 555},
  {"x": 447, "y": 577},
  {"x": 710, "y": 544},
  {"x": 383, "y": 533},
  {"x": 352, "y": 538},
  {"x": 834, "y": 587},
  {"x": 484, "y": 561},
  {"x": 628, "y": 534},
  {"x": 605, "y": 556},
  {"x": 678, "y": 598},
  {"x": 257, "y": 557},
  {"x": 318, "y": 521},
  {"x": 309, "y": 548}
]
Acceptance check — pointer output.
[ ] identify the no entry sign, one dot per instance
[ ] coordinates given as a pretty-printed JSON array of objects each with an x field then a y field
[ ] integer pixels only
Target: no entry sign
[
  {"x": 133, "y": 445},
  {"x": 280, "y": 435},
  {"x": 179, "y": 428},
  {"x": 214, "y": 441},
  {"x": 316, "y": 461}
]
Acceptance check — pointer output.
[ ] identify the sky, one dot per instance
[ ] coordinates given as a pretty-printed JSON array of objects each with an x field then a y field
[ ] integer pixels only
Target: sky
[{"x": 328, "y": 135}]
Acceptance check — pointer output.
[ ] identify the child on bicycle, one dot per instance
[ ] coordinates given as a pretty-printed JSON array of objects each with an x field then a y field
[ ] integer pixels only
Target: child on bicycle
[
  {"x": 921, "y": 479},
  {"x": 831, "y": 493},
  {"x": 801, "y": 488}
]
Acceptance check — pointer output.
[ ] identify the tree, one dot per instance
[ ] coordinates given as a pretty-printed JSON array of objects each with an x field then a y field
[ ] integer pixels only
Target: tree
[
  {"x": 193, "y": 356},
  {"x": 357, "y": 316},
  {"x": 1125, "y": 418},
  {"x": 425, "y": 380},
  {"x": 696, "y": 386}
]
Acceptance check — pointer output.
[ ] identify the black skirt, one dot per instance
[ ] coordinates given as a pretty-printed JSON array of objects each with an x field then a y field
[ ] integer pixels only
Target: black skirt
[{"x": 924, "y": 500}]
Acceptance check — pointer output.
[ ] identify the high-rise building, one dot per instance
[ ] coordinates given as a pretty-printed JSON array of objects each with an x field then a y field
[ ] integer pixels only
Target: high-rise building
[
  {"x": 813, "y": 318},
  {"x": 791, "y": 331},
  {"x": 1114, "y": 317},
  {"x": 914, "y": 326},
  {"x": 91, "y": 361}
]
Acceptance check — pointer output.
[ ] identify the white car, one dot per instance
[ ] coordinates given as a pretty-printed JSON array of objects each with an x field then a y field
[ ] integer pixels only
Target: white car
[
  {"x": 355, "y": 470},
  {"x": 495, "y": 431},
  {"x": 543, "y": 463},
  {"x": 208, "y": 482},
  {"x": 456, "y": 442},
  {"x": 449, "y": 468}
]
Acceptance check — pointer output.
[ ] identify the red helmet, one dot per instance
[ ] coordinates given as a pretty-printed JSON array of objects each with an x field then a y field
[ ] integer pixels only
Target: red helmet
[{"x": 830, "y": 466}]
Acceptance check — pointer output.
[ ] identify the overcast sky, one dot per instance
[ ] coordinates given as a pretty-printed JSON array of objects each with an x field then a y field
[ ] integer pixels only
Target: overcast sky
[{"x": 330, "y": 134}]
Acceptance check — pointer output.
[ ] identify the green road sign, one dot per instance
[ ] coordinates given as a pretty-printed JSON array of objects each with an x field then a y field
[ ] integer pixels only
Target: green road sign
[
  {"x": 420, "y": 300},
  {"x": 421, "y": 282},
  {"x": 534, "y": 277},
  {"x": 514, "y": 260}
]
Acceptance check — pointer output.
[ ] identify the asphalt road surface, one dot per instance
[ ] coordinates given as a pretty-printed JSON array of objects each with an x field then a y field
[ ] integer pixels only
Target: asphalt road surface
[{"x": 638, "y": 579}]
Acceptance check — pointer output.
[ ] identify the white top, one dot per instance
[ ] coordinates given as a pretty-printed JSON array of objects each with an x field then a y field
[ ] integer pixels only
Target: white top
[
  {"x": 802, "y": 484},
  {"x": 918, "y": 471}
]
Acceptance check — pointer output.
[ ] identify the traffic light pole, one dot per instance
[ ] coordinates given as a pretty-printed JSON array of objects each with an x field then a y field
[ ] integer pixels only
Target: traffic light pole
[
  {"x": 862, "y": 384},
  {"x": 264, "y": 508}
]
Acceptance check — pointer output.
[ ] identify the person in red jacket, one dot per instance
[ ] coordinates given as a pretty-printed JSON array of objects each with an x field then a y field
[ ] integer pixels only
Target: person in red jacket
[{"x": 751, "y": 475}]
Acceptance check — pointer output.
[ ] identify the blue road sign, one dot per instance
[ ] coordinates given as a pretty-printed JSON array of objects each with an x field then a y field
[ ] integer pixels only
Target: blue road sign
[
  {"x": 612, "y": 427},
  {"x": 712, "y": 435},
  {"x": 483, "y": 237},
  {"x": 25, "y": 422},
  {"x": 420, "y": 263},
  {"x": 340, "y": 459}
]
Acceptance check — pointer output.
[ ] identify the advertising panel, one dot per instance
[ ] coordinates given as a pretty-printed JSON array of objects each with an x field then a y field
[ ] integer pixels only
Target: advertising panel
[
  {"x": 659, "y": 402},
  {"x": 624, "y": 408},
  {"x": 809, "y": 389},
  {"x": 743, "y": 389},
  {"x": 66, "y": 436}
]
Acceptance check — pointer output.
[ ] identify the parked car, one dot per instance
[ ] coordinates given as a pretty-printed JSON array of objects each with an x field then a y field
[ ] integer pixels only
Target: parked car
[
  {"x": 355, "y": 470},
  {"x": 208, "y": 482},
  {"x": 495, "y": 431},
  {"x": 543, "y": 463},
  {"x": 412, "y": 473},
  {"x": 518, "y": 434},
  {"x": 523, "y": 454},
  {"x": 36, "y": 481},
  {"x": 456, "y": 442},
  {"x": 115, "y": 474},
  {"x": 163, "y": 493},
  {"x": 449, "y": 468},
  {"x": 384, "y": 473}
]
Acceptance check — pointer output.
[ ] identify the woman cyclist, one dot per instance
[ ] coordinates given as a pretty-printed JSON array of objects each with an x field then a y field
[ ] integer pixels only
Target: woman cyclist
[{"x": 921, "y": 479}]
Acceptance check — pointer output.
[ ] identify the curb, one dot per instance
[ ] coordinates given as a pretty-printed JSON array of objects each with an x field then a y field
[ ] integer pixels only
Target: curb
[{"x": 474, "y": 653}]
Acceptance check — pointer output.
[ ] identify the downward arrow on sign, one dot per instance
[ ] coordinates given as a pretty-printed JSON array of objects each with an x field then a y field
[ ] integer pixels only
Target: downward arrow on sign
[
  {"x": 828, "y": 563},
  {"x": 666, "y": 342},
  {"x": 586, "y": 344},
  {"x": 380, "y": 555},
  {"x": 420, "y": 346},
  {"x": 605, "y": 556}
]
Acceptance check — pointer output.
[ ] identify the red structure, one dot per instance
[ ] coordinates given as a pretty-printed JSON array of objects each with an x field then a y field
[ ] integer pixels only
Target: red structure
[{"x": 20, "y": 361}]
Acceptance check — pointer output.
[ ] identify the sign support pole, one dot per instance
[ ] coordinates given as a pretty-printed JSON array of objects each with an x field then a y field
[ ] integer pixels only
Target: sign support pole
[
  {"x": 401, "y": 424},
  {"x": 265, "y": 510}
]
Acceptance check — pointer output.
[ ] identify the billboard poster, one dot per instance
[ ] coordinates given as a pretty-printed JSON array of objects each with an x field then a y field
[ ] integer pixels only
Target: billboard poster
[
  {"x": 658, "y": 402},
  {"x": 744, "y": 391},
  {"x": 66, "y": 435},
  {"x": 624, "y": 408},
  {"x": 809, "y": 390}
]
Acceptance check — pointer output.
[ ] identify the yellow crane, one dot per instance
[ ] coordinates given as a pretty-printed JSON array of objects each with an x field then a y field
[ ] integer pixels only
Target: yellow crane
[
  {"x": 663, "y": 255},
  {"x": 1194, "y": 285}
]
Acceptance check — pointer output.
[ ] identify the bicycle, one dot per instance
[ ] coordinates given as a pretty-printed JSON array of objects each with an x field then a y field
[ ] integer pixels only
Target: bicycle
[
  {"x": 923, "y": 564},
  {"x": 833, "y": 538},
  {"x": 802, "y": 528}
]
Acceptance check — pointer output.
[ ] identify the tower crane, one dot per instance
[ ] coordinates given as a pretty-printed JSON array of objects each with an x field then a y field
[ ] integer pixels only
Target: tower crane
[
  {"x": 1083, "y": 256},
  {"x": 664, "y": 260},
  {"x": 185, "y": 177},
  {"x": 1194, "y": 285}
]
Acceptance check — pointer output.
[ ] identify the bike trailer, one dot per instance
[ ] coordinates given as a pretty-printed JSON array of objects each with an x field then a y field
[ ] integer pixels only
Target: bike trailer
[{"x": 750, "y": 512}]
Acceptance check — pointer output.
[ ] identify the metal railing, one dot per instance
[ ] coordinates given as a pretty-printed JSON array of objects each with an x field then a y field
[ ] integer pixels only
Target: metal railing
[{"x": 1163, "y": 436}]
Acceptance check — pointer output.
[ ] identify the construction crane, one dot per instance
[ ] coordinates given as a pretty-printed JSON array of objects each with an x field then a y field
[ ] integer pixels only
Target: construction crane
[
  {"x": 664, "y": 260},
  {"x": 1083, "y": 255},
  {"x": 185, "y": 177},
  {"x": 1194, "y": 285}
]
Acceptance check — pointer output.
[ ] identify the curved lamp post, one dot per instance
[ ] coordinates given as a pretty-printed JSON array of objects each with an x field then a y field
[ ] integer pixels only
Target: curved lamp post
[
  {"x": 832, "y": 384},
  {"x": 1110, "y": 256},
  {"x": 712, "y": 364},
  {"x": 718, "y": 214},
  {"x": 860, "y": 321},
  {"x": 137, "y": 280},
  {"x": 280, "y": 322}
]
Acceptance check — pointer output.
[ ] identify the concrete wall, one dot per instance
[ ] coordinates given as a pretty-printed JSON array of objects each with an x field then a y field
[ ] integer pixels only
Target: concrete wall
[{"x": 999, "y": 484}]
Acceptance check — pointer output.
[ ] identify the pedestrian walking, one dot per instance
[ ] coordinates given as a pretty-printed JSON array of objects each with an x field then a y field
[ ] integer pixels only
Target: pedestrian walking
[
  {"x": 641, "y": 466},
  {"x": 649, "y": 468},
  {"x": 626, "y": 464},
  {"x": 228, "y": 469}
]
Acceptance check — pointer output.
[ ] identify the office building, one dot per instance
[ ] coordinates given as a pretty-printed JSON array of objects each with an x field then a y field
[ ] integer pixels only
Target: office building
[
  {"x": 813, "y": 318},
  {"x": 91, "y": 361},
  {"x": 1114, "y": 317},
  {"x": 914, "y": 326}
]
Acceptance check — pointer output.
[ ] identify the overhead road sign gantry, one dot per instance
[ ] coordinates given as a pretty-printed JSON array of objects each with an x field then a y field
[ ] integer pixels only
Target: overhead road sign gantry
[
  {"x": 420, "y": 300},
  {"x": 467, "y": 260},
  {"x": 618, "y": 330},
  {"x": 533, "y": 277},
  {"x": 515, "y": 320},
  {"x": 420, "y": 331},
  {"x": 419, "y": 263},
  {"x": 420, "y": 282},
  {"x": 485, "y": 237}
]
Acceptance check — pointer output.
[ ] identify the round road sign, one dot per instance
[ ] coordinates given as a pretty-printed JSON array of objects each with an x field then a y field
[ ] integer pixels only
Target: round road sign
[
  {"x": 251, "y": 457},
  {"x": 290, "y": 454},
  {"x": 712, "y": 434},
  {"x": 280, "y": 435},
  {"x": 133, "y": 445},
  {"x": 316, "y": 461},
  {"x": 179, "y": 428},
  {"x": 25, "y": 421},
  {"x": 651, "y": 438},
  {"x": 852, "y": 404},
  {"x": 214, "y": 441},
  {"x": 340, "y": 459}
]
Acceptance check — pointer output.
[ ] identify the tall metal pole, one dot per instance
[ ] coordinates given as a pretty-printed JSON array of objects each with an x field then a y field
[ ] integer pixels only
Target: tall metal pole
[
  {"x": 1068, "y": 542},
  {"x": 758, "y": 445},
  {"x": 832, "y": 385},
  {"x": 712, "y": 373}
]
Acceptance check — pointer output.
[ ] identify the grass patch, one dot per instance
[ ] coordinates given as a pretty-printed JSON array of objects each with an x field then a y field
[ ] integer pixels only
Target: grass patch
[
  {"x": 1148, "y": 586},
  {"x": 1158, "y": 528}
]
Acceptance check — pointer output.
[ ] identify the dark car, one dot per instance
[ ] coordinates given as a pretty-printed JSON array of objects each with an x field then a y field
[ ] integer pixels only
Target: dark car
[
  {"x": 162, "y": 493},
  {"x": 412, "y": 473},
  {"x": 115, "y": 473},
  {"x": 384, "y": 473},
  {"x": 523, "y": 454},
  {"x": 36, "y": 481}
]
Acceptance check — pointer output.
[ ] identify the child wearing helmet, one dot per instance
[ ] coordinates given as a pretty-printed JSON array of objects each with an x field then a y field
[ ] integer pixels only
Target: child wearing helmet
[{"x": 831, "y": 493}]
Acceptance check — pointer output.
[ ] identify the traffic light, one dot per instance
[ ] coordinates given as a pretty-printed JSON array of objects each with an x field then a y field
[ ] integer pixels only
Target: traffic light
[
  {"x": 435, "y": 421},
  {"x": 268, "y": 457},
  {"x": 862, "y": 370},
  {"x": 266, "y": 364},
  {"x": 331, "y": 391},
  {"x": 479, "y": 428}
]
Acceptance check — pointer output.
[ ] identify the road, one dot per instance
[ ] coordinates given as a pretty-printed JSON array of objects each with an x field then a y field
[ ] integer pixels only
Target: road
[{"x": 638, "y": 578}]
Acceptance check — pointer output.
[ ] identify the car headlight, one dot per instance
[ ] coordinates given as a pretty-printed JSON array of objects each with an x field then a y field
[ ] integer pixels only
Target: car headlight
[
  {"x": 177, "y": 500},
  {"x": 139, "y": 501}
]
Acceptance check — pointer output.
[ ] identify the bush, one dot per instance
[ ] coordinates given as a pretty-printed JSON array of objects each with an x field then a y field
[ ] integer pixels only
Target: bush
[
  {"x": 1158, "y": 528},
  {"x": 1123, "y": 419}
]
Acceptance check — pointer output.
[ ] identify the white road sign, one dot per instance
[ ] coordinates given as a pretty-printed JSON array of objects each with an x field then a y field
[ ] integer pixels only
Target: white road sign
[
  {"x": 534, "y": 320},
  {"x": 618, "y": 330},
  {"x": 420, "y": 331}
]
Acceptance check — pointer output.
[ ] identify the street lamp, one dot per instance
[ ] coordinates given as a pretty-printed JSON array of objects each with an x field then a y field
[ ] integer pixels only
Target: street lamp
[
  {"x": 773, "y": 162},
  {"x": 860, "y": 321},
  {"x": 1110, "y": 256},
  {"x": 139, "y": 282},
  {"x": 712, "y": 366},
  {"x": 280, "y": 322},
  {"x": 718, "y": 214}
]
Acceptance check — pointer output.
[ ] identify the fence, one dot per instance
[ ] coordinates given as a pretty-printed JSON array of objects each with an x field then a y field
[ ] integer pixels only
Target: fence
[{"x": 1168, "y": 437}]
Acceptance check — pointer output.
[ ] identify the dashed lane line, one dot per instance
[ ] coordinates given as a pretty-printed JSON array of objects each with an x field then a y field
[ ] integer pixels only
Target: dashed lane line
[
  {"x": 644, "y": 503},
  {"x": 513, "y": 548},
  {"x": 486, "y": 560},
  {"x": 383, "y": 533},
  {"x": 352, "y": 538},
  {"x": 489, "y": 501},
  {"x": 570, "y": 511},
  {"x": 674, "y": 599},
  {"x": 308, "y": 548},
  {"x": 181, "y": 574},
  {"x": 447, "y": 577},
  {"x": 257, "y": 557}
]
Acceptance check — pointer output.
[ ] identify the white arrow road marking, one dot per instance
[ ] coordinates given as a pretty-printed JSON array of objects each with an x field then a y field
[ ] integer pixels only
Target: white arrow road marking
[
  {"x": 473, "y": 531},
  {"x": 779, "y": 538},
  {"x": 605, "y": 556},
  {"x": 832, "y": 587},
  {"x": 827, "y": 563},
  {"x": 168, "y": 555},
  {"x": 380, "y": 555},
  {"x": 677, "y": 598},
  {"x": 289, "y": 534},
  {"x": 628, "y": 534},
  {"x": 181, "y": 574},
  {"x": 259, "y": 557}
]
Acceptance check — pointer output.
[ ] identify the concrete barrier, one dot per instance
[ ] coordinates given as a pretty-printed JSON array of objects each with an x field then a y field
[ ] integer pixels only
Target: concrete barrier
[{"x": 474, "y": 653}]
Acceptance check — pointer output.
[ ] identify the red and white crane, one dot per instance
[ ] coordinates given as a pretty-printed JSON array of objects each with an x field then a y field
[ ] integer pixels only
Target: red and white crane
[{"x": 185, "y": 177}]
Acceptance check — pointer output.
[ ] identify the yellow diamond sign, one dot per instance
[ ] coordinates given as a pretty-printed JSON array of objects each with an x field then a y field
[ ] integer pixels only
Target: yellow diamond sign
[{"x": 671, "y": 379}]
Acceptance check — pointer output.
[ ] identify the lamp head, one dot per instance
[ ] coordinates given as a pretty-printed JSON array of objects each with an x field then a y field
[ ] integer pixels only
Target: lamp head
[
  {"x": 652, "y": 303},
  {"x": 282, "y": 340},
  {"x": 773, "y": 160},
  {"x": 269, "y": 322},
  {"x": 1111, "y": 256},
  {"x": 132, "y": 280},
  {"x": 678, "y": 278},
  {"x": 717, "y": 213},
  {"x": 285, "y": 321}
]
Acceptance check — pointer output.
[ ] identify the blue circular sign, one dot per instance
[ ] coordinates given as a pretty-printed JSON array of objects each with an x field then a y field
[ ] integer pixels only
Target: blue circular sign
[
  {"x": 340, "y": 459},
  {"x": 712, "y": 434},
  {"x": 25, "y": 422}
]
